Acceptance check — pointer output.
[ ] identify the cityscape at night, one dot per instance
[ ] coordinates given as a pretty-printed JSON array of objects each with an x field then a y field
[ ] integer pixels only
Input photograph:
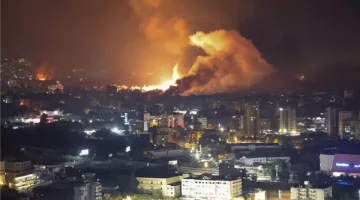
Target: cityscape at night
[{"x": 180, "y": 100}]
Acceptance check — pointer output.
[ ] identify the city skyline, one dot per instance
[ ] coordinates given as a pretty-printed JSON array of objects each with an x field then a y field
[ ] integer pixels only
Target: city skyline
[{"x": 108, "y": 35}]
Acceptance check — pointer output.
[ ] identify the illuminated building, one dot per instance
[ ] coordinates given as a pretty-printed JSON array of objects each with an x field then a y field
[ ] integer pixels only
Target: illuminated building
[
  {"x": 309, "y": 192},
  {"x": 194, "y": 136},
  {"x": 265, "y": 125},
  {"x": 175, "y": 120},
  {"x": 287, "y": 121},
  {"x": 167, "y": 184},
  {"x": 252, "y": 121},
  {"x": 211, "y": 187},
  {"x": 250, "y": 160},
  {"x": 88, "y": 191},
  {"x": 340, "y": 164},
  {"x": 331, "y": 120},
  {"x": 57, "y": 87},
  {"x": 203, "y": 121},
  {"x": 2, "y": 173},
  {"x": 19, "y": 175},
  {"x": 345, "y": 121}
]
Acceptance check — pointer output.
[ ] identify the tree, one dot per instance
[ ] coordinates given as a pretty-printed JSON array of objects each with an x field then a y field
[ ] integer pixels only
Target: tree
[
  {"x": 157, "y": 194},
  {"x": 133, "y": 183}
]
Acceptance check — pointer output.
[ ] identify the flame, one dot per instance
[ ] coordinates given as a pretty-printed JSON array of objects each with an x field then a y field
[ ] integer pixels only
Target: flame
[
  {"x": 42, "y": 76},
  {"x": 44, "y": 72},
  {"x": 163, "y": 86}
]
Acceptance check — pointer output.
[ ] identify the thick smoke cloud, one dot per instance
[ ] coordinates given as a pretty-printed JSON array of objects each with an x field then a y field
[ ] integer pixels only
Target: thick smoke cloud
[
  {"x": 231, "y": 62},
  {"x": 170, "y": 32},
  {"x": 227, "y": 61}
]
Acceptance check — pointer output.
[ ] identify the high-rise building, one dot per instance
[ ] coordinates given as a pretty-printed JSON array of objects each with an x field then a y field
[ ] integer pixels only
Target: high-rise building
[
  {"x": 252, "y": 121},
  {"x": 88, "y": 191},
  {"x": 331, "y": 121},
  {"x": 345, "y": 119},
  {"x": 287, "y": 120}
]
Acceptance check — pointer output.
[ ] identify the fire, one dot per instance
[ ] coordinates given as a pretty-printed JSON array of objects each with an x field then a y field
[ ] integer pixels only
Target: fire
[
  {"x": 163, "y": 86},
  {"x": 42, "y": 76},
  {"x": 44, "y": 72}
]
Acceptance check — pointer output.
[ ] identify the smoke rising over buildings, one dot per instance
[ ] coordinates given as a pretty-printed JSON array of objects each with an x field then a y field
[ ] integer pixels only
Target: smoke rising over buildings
[{"x": 228, "y": 61}]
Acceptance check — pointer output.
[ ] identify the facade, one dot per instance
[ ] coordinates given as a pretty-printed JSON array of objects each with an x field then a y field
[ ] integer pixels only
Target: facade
[
  {"x": 265, "y": 125},
  {"x": 310, "y": 193},
  {"x": 19, "y": 175},
  {"x": 203, "y": 121},
  {"x": 173, "y": 190},
  {"x": 345, "y": 120},
  {"x": 251, "y": 119},
  {"x": 340, "y": 164},
  {"x": 88, "y": 191},
  {"x": 211, "y": 187},
  {"x": 331, "y": 121},
  {"x": 249, "y": 161},
  {"x": 169, "y": 186},
  {"x": 2, "y": 172},
  {"x": 287, "y": 120},
  {"x": 176, "y": 120}
]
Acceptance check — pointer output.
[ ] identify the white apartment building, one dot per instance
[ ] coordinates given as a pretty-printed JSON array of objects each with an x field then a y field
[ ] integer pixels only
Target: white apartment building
[
  {"x": 211, "y": 187},
  {"x": 310, "y": 193},
  {"x": 88, "y": 191},
  {"x": 168, "y": 185}
]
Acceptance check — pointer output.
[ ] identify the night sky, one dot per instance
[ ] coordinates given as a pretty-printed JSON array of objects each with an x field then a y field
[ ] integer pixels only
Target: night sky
[{"x": 310, "y": 37}]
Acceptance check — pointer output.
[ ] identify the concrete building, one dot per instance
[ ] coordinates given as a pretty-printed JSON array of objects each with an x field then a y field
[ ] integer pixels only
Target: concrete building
[
  {"x": 88, "y": 191},
  {"x": 251, "y": 120},
  {"x": 169, "y": 185},
  {"x": 265, "y": 125},
  {"x": 19, "y": 175},
  {"x": 211, "y": 187},
  {"x": 340, "y": 164},
  {"x": 287, "y": 121},
  {"x": 345, "y": 120},
  {"x": 331, "y": 121},
  {"x": 308, "y": 192},
  {"x": 203, "y": 121},
  {"x": 251, "y": 160}
]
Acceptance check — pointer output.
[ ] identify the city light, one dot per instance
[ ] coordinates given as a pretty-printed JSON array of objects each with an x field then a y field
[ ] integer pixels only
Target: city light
[
  {"x": 128, "y": 149},
  {"x": 117, "y": 131},
  {"x": 342, "y": 164},
  {"x": 206, "y": 165},
  {"x": 84, "y": 152}
]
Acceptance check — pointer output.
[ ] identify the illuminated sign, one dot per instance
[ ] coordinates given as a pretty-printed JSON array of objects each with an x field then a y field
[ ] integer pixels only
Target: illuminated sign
[
  {"x": 84, "y": 152},
  {"x": 357, "y": 166},
  {"x": 342, "y": 164}
]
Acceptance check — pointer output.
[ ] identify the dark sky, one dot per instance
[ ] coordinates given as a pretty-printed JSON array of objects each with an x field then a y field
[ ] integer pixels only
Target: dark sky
[{"x": 300, "y": 36}]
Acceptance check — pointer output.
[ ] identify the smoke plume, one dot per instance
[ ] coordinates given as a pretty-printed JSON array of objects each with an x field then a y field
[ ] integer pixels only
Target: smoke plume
[
  {"x": 231, "y": 62},
  {"x": 227, "y": 61},
  {"x": 171, "y": 32}
]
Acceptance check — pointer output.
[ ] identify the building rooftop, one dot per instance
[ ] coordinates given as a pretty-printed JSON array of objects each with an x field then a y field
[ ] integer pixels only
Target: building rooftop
[{"x": 210, "y": 177}]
